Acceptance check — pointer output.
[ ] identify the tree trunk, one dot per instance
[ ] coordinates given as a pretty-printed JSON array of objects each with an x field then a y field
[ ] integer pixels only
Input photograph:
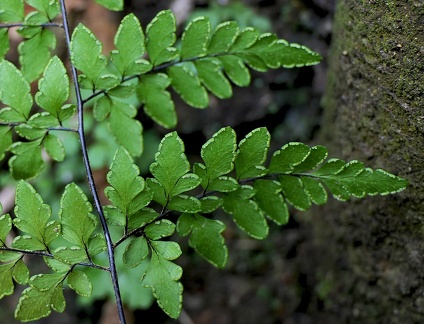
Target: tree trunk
[{"x": 371, "y": 251}]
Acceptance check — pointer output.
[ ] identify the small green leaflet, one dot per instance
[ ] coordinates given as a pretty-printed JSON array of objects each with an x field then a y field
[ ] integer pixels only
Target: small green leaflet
[
  {"x": 246, "y": 212},
  {"x": 128, "y": 191},
  {"x": 14, "y": 92},
  {"x": 161, "y": 37},
  {"x": 218, "y": 154},
  {"x": 171, "y": 167},
  {"x": 37, "y": 303},
  {"x": 252, "y": 153},
  {"x": 6, "y": 282},
  {"x": 34, "y": 53},
  {"x": 12, "y": 11},
  {"x": 188, "y": 85},
  {"x": 294, "y": 193},
  {"x": 223, "y": 37},
  {"x": 86, "y": 52},
  {"x": 27, "y": 162},
  {"x": 210, "y": 73},
  {"x": 14, "y": 269},
  {"x": 5, "y": 227},
  {"x": 54, "y": 147},
  {"x": 270, "y": 201},
  {"x": 157, "y": 101},
  {"x": 195, "y": 38},
  {"x": 48, "y": 8},
  {"x": 129, "y": 41},
  {"x": 292, "y": 154},
  {"x": 116, "y": 5},
  {"x": 78, "y": 223},
  {"x": 78, "y": 281},
  {"x": 136, "y": 251},
  {"x": 54, "y": 89},
  {"x": 205, "y": 238},
  {"x": 126, "y": 130},
  {"x": 163, "y": 277},
  {"x": 32, "y": 216},
  {"x": 5, "y": 140},
  {"x": 4, "y": 41}
]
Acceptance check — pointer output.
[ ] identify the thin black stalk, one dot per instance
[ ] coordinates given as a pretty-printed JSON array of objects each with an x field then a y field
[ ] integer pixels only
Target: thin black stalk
[
  {"x": 51, "y": 24},
  {"x": 90, "y": 178}
]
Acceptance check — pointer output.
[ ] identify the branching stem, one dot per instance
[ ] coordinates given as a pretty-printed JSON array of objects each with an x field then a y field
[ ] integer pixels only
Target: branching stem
[{"x": 90, "y": 178}]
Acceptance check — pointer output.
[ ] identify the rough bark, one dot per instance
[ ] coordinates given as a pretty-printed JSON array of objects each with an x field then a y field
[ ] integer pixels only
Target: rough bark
[{"x": 371, "y": 251}]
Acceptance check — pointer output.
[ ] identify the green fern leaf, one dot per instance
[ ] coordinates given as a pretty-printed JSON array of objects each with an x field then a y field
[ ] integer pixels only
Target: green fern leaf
[
  {"x": 14, "y": 92},
  {"x": 195, "y": 38},
  {"x": 129, "y": 41},
  {"x": 53, "y": 89},
  {"x": 27, "y": 163},
  {"x": 78, "y": 223},
  {"x": 80, "y": 283},
  {"x": 161, "y": 37},
  {"x": 32, "y": 215},
  {"x": 184, "y": 204},
  {"x": 32, "y": 218},
  {"x": 4, "y": 41},
  {"x": 292, "y": 154},
  {"x": 252, "y": 153},
  {"x": 70, "y": 255},
  {"x": 116, "y": 5},
  {"x": 236, "y": 70},
  {"x": 12, "y": 11},
  {"x": 171, "y": 170},
  {"x": 126, "y": 184},
  {"x": 35, "y": 54},
  {"x": 35, "y": 304},
  {"x": 188, "y": 85},
  {"x": 205, "y": 238},
  {"x": 316, "y": 156},
  {"x": 136, "y": 251},
  {"x": 159, "y": 229},
  {"x": 246, "y": 213},
  {"x": 210, "y": 203},
  {"x": 218, "y": 154},
  {"x": 54, "y": 147},
  {"x": 126, "y": 130},
  {"x": 245, "y": 39},
  {"x": 6, "y": 282},
  {"x": 353, "y": 179},
  {"x": 294, "y": 193},
  {"x": 86, "y": 54},
  {"x": 5, "y": 140},
  {"x": 270, "y": 201},
  {"x": 223, "y": 37},
  {"x": 158, "y": 104},
  {"x": 210, "y": 74},
  {"x": 5, "y": 227},
  {"x": 141, "y": 218},
  {"x": 315, "y": 190},
  {"x": 128, "y": 193},
  {"x": 50, "y": 9},
  {"x": 20, "y": 272},
  {"x": 163, "y": 277}
]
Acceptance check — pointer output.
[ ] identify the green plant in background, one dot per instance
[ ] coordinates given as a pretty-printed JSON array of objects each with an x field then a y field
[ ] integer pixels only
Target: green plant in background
[{"x": 180, "y": 198}]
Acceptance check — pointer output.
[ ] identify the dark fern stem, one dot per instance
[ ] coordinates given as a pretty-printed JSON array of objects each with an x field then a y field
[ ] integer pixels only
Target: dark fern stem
[{"x": 90, "y": 178}]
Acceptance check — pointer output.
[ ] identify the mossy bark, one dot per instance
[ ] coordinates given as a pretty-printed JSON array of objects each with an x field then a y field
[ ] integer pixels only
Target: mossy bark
[{"x": 371, "y": 265}]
